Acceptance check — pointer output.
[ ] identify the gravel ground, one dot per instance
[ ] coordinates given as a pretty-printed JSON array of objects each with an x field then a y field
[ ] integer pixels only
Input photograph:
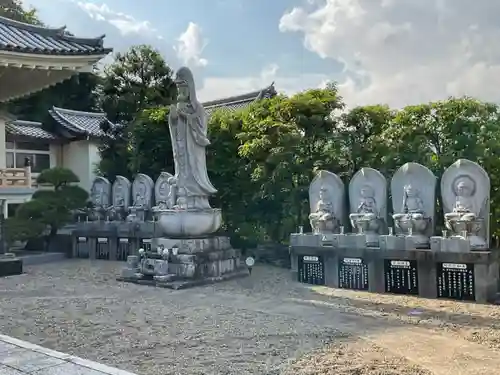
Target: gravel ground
[
  {"x": 352, "y": 358},
  {"x": 255, "y": 325}
]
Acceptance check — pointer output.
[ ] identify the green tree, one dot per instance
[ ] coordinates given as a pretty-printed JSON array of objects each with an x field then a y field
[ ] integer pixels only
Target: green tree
[
  {"x": 14, "y": 10},
  {"x": 52, "y": 208},
  {"x": 284, "y": 141},
  {"x": 150, "y": 135},
  {"x": 438, "y": 133},
  {"x": 137, "y": 80}
]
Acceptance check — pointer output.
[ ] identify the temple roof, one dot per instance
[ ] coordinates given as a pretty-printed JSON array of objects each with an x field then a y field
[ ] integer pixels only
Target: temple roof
[
  {"x": 234, "y": 103},
  {"x": 80, "y": 123},
  {"x": 28, "y": 129},
  {"x": 21, "y": 37}
]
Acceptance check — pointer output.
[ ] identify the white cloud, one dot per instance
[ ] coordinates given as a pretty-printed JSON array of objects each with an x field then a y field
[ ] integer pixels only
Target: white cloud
[
  {"x": 125, "y": 23},
  {"x": 190, "y": 46},
  {"x": 405, "y": 51},
  {"x": 221, "y": 87}
]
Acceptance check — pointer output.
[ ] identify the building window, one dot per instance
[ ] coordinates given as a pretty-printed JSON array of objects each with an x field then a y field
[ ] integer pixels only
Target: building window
[
  {"x": 9, "y": 160},
  {"x": 11, "y": 209},
  {"x": 38, "y": 162},
  {"x": 38, "y": 155},
  {"x": 36, "y": 146}
]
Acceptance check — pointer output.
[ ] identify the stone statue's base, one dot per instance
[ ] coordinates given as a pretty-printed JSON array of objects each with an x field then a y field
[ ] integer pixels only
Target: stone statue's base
[
  {"x": 10, "y": 265},
  {"x": 392, "y": 242},
  {"x": 197, "y": 262},
  {"x": 453, "y": 244}
]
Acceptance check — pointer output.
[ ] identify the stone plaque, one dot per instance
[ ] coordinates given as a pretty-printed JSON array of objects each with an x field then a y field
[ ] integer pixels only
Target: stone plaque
[
  {"x": 123, "y": 249},
  {"x": 311, "y": 270},
  {"x": 401, "y": 276},
  {"x": 353, "y": 274},
  {"x": 146, "y": 244},
  {"x": 455, "y": 281},
  {"x": 102, "y": 248}
]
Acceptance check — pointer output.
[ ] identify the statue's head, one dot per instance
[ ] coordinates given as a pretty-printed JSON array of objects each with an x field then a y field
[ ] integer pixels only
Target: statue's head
[
  {"x": 367, "y": 191},
  {"x": 465, "y": 187},
  {"x": 184, "y": 80},
  {"x": 410, "y": 191}
]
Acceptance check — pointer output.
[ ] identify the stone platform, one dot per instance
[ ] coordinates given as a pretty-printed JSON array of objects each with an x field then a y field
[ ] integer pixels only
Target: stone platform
[
  {"x": 458, "y": 275},
  {"x": 111, "y": 240},
  {"x": 195, "y": 261},
  {"x": 19, "y": 357},
  {"x": 184, "y": 284},
  {"x": 10, "y": 265}
]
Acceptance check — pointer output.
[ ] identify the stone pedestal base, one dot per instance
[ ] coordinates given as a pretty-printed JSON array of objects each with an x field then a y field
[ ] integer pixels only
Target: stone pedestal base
[
  {"x": 391, "y": 242},
  {"x": 371, "y": 268},
  {"x": 453, "y": 244},
  {"x": 197, "y": 262},
  {"x": 348, "y": 241},
  {"x": 9, "y": 265},
  {"x": 306, "y": 239}
]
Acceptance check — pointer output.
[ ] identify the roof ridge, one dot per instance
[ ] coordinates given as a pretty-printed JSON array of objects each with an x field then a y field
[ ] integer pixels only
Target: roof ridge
[
  {"x": 60, "y": 118},
  {"x": 25, "y": 123},
  {"x": 78, "y": 113},
  {"x": 222, "y": 103},
  {"x": 59, "y": 32},
  {"x": 236, "y": 98}
]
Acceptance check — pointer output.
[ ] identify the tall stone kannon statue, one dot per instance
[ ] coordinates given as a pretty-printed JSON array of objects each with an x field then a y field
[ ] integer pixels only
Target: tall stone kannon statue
[
  {"x": 188, "y": 131},
  {"x": 190, "y": 189}
]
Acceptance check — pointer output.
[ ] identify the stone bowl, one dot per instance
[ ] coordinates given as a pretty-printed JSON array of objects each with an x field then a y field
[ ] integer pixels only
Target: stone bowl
[
  {"x": 418, "y": 223},
  {"x": 470, "y": 226},
  {"x": 188, "y": 223},
  {"x": 367, "y": 222}
]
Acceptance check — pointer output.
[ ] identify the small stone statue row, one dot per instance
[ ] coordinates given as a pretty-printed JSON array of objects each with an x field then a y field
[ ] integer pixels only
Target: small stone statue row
[
  {"x": 114, "y": 201},
  {"x": 465, "y": 194}
]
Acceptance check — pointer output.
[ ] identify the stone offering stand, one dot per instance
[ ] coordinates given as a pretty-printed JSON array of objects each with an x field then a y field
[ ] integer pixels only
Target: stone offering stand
[
  {"x": 407, "y": 258},
  {"x": 175, "y": 243}
]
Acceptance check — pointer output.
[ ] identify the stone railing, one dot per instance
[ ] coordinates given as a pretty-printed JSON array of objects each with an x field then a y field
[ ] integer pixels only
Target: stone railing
[{"x": 15, "y": 177}]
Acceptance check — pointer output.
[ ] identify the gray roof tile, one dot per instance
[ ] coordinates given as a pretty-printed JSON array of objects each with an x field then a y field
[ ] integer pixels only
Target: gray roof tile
[
  {"x": 21, "y": 37},
  {"x": 235, "y": 103},
  {"x": 83, "y": 123},
  {"x": 28, "y": 129}
]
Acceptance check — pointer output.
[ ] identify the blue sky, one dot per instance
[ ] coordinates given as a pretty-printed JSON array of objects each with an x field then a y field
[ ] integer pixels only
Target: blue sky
[{"x": 391, "y": 51}]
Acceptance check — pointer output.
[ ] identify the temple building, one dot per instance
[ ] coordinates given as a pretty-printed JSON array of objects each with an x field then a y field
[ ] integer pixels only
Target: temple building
[
  {"x": 72, "y": 143},
  {"x": 33, "y": 58}
]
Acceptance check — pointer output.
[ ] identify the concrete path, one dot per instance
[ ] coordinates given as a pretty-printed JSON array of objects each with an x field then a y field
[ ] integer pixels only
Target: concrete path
[{"x": 19, "y": 357}]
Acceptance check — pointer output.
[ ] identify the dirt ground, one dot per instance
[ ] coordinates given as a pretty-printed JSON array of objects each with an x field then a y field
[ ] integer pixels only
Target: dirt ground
[{"x": 263, "y": 324}]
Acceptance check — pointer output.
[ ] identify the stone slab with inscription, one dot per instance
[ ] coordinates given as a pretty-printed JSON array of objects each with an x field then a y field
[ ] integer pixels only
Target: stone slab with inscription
[
  {"x": 401, "y": 276},
  {"x": 311, "y": 270},
  {"x": 353, "y": 274},
  {"x": 455, "y": 281}
]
